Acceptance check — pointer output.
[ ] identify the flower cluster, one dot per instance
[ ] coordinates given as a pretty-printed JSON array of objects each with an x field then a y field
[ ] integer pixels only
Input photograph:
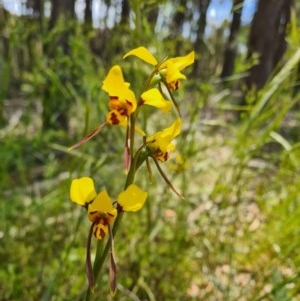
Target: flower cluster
[
  {"x": 123, "y": 109},
  {"x": 101, "y": 211}
]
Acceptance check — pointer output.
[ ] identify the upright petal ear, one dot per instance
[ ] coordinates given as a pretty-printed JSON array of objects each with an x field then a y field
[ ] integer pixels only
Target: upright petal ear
[
  {"x": 133, "y": 198},
  {"x": 143, "y": 54},
  {"x": 102, "y": 203},
  {"x": 114, "y": 80},
  {"x": 82, "y": 191}
]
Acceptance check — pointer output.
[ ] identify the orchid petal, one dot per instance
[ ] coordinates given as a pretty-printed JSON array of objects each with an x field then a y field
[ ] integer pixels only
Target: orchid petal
[
  {"x": 82, "y": 191},
  {"x": 143, "y": 54},
  {"x": 133, "y": 198},
  {"x": 114, "y": 81},
  {"x": 102, "y": 203},
  {"x": 180, "y": 62},
  {"x": 154, "y": 98},
  {"x": 173, "y": 73}
]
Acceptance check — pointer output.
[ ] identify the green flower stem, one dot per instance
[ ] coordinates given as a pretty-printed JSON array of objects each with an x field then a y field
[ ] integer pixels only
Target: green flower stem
[
  {"x": 131, "y": 137},
  {"x": 151, "y": 80},
  {"x": 97, "y": 262}
]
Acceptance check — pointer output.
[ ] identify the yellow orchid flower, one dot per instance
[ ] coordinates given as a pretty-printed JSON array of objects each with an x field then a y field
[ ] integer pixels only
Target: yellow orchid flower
[
  {"x": 122, "y": 100},
  {"x": 101, "y": 211},
  {"x": 170, "y": 69},
  {"x": 160, "y": 143}
]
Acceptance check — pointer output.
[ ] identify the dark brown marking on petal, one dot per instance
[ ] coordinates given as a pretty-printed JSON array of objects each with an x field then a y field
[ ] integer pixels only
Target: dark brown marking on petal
[
  {"x": 114, "y": 119},
  {"x": 102, "y": 233},
  {"x": 98, "y": 231},
  {"x": 129, "y": 103},
  {"x": 161, "y": 156},
  {"x": 166, "y": 156},
  {"x": 123, "y": 112}
]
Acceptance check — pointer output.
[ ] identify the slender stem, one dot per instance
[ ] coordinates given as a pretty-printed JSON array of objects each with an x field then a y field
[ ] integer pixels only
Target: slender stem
[
  {"x": 88, "y": 262},
  {"x": 166, "y": 178},
  {"x": 88, "y": 265},
  {"x": 149, "y": 79},
  {"x": 132, "y": 134},
  {"x": 112, "y": 267},
  {"x": 172, "y": 97}
]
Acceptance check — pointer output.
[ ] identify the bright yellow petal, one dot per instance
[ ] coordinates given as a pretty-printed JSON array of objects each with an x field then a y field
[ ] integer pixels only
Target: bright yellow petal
[
  {"x": 114, "y": 80},
  {"x": 115, "y": 85},
  {"x": 143, "y": 54},
  {"x": 102, "y": 203},
  {"x": 184, "y": 61},
  {"x": 154, "y": 98},
  {"x": 163, "y": 139},
  {"x": 133, "y": 198},
  {"x": 167, "y": 135},
  {"x": 82, "y": 190},
  {"x": 121, "y": 97},
  {"x": 173, "y": 73},
  {"x": 180, "y": 62},
  {"x": 173, "y": 130}
]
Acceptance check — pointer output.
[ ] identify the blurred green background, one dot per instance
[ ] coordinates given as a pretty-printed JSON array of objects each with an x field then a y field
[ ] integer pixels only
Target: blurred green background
[{"x": 236, "y": 235}]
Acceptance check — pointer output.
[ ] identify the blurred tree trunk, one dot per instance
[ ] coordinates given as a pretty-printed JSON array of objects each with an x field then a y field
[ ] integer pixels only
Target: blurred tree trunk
[
  {"x": 153, "y": 14},
  {"x": 125, "y": 13},
  {"x": 199, "y": 45},
  {"x": 5, "y": 63},
  {"x": 55, "y": 105},
  {"x": 267, "y": 38},
  {"x": 88, "y": 17},
  {"x": 231, "y": 47},
  {"x": 176, "y": 26},
  {"x": 65, "y": 9},
  {"x": 59, "y": 8},
  {"x": 36, "y": 6},
  {"x": 178, "y": 20}
]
